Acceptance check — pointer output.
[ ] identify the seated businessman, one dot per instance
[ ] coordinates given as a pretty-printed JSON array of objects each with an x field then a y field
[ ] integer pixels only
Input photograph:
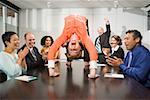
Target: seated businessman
[{"x": 137, "y": 61}]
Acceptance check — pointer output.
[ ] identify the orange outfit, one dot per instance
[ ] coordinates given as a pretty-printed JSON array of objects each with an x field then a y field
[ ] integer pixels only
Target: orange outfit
[{"x": 74, "y": 24}]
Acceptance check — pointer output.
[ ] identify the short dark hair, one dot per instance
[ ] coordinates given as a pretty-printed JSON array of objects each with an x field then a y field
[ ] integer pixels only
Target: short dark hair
[
  {"x": 118, "y": 39},
  {"x": 6, "y": 37},
  {"x": 44, "y": 39},
  {"x": 136, "y": 34},
  {"x": 25, "y": 35}
]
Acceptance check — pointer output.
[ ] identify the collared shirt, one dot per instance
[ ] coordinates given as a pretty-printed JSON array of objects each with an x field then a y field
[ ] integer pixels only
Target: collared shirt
[
  {"x": 33, "y": 54},
  {"x": 115, "y": 49},
  {"x": 139, "y": 68}
]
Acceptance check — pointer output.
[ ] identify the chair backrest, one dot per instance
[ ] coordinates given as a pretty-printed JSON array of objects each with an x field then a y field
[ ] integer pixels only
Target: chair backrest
[{"x": 3, "y": 76}]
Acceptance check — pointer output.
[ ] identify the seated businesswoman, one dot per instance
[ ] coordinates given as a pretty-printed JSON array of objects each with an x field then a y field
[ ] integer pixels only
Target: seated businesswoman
[
  {"x": 46, "y": 42},
  {"x": 116, "y": 49},
  {"x": 136, "y": 64},
  {"x": 11, "y": 63}
]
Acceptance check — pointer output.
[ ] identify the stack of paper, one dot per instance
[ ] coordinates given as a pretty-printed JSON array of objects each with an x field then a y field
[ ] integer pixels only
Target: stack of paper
[
  {"x": 26, "y": 78},
  {"x": 114, "y": 75}
]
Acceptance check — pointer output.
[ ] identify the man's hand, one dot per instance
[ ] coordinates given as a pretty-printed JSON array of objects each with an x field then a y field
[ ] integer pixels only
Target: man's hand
[
  {"x": 106, "y": 20},
  {"x": 114, "y": 61}
]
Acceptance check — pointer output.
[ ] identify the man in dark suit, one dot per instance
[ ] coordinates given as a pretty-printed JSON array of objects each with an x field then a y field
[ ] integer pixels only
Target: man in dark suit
[
  {"x": 33, "y": 58},
  {"x": 102, "y": 41}
]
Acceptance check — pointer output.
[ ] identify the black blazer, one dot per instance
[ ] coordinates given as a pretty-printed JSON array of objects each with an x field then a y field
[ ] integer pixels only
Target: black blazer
[
  {"x": 30, "y": 61},
  {"x": 119, "y": 53},
  {"x": 104, "y": 38}
]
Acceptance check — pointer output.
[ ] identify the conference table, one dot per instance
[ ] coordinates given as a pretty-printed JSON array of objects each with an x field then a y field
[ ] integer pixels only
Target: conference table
[{"x": 73, "y": 85}]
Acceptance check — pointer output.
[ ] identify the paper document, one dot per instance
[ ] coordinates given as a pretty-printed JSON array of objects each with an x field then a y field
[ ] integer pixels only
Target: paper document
[
  {"x": 101, "y": 65},
  {"x": 26, "y": 78},
  {"x": 114, "y": 75},
  {"x": 61, "y": 60}
]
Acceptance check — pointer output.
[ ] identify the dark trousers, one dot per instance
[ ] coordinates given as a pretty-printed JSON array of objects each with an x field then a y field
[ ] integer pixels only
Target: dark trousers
[{"x": 101, "y": 58}]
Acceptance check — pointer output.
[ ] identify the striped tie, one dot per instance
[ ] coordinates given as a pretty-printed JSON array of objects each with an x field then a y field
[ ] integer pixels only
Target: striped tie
[
  {"x": 98, "y": 46},
  {"x": 33, "y": 54}
]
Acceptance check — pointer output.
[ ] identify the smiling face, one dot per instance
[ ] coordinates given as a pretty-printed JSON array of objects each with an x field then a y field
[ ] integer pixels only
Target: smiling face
[
  {"x": 113, "y": 42},
  {"x": 14, "y": 42},
  {"x": 74, "y": 48},
  {"x": 100, "y": 30},
  {"x": 130, "y": 41},
  {"x": 48, "y": 42},
  {"x": 30, "y": 40}
]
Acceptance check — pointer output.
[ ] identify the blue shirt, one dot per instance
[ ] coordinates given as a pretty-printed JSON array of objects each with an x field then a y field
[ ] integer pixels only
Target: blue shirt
[{"x": 139, "y": 68}]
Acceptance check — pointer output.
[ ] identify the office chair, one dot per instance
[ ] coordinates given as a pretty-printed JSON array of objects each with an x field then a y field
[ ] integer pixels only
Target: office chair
[{"x": 3, "y": 76}]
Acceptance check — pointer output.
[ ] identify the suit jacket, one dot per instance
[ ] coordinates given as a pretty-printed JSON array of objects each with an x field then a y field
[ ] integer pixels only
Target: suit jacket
[
  {"x": 104, "y": 38},
  {"x": 30, "y": 61},
  {"x": 139, "y": 68},
  {"x": 119, "y": 53}
]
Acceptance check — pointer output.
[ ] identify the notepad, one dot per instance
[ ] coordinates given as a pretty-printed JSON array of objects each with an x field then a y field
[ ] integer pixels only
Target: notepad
[
  {"x": 114, "y": 75},
  {"x": 26, "y": 78}
]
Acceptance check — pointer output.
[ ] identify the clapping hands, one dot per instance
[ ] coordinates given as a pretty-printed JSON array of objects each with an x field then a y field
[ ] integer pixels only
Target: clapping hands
[
  {"x": 23, "y": 53},
  {"x": 114, "y": 61}
]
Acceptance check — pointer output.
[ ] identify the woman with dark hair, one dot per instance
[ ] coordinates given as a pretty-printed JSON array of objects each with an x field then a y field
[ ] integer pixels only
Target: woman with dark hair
[
  {"x": 11, "y": 63},
  {"x": 116, "y": 50},
  {"x": 46, "y": 42}
]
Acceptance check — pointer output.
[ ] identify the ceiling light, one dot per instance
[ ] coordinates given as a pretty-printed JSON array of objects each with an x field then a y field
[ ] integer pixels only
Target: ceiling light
[
  {"x": 48, "y": 4},
  {"x": 116, "y": 3}
]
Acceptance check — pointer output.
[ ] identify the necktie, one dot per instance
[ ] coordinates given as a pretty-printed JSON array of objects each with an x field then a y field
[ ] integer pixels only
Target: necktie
[
  {"x": 33, "y": 54},
  {"x": 130, "y": 59},
  {"x": 98, "y": 46}
]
